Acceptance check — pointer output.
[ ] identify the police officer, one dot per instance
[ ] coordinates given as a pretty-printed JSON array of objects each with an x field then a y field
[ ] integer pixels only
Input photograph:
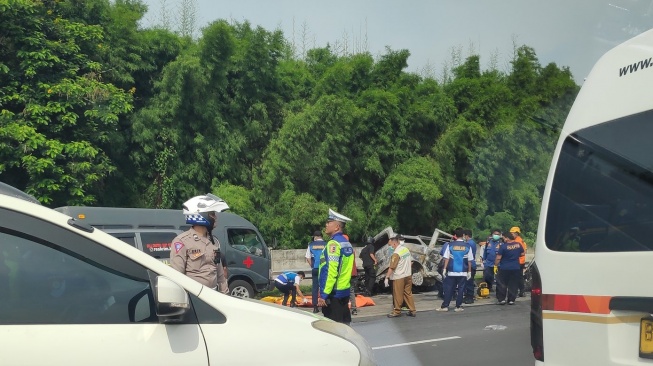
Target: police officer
[
  {"x": 489, "y": 255},
  {"x": 196, "y": 253},
  {"x": 509, "y": 272},
  {"x": 336, "y": 264},
  {"x": 313, "y": 253}
]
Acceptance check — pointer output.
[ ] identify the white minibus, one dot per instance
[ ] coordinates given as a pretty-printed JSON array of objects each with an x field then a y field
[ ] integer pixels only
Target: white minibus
[{"x": 592, "y": 296}]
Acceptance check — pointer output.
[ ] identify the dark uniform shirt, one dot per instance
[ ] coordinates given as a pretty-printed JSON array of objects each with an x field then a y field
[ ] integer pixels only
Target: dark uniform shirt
[
  {"x": 510, "y": 253},
  {"x": 366, "y": 255}
]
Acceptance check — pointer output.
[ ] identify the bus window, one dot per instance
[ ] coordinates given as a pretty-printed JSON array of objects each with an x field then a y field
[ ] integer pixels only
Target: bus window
[{"x": 602, "y": 194}]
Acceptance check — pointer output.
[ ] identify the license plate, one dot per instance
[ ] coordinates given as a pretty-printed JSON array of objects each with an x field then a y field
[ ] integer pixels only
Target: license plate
[{"x": 646, "y": 338}]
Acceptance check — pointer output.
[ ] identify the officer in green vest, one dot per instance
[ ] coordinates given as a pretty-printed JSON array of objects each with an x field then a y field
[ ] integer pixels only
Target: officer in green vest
[{"x": 336, "y": 263}]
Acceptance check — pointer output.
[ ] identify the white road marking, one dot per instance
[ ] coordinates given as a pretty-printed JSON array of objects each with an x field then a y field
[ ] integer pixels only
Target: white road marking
[{"x": 416, "y": 342}]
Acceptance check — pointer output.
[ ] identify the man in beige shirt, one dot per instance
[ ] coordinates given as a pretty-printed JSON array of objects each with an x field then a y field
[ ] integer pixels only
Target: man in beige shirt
[{"x": 399, "y": 272}]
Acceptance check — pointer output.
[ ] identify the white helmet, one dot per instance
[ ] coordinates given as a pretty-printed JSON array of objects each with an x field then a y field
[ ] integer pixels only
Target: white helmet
[{"x": 197, "y": 208}]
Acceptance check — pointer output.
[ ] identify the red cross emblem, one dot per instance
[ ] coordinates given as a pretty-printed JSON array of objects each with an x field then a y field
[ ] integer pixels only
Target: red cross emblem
[{"x": 248, "y": 262}]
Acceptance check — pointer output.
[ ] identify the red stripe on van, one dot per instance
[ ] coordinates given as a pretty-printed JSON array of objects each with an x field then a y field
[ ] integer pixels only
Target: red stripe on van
[{"x": 577, "y": 303}]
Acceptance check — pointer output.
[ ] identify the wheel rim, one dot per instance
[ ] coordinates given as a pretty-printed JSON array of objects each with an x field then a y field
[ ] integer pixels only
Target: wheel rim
[
  {"x": 240, "y": 291},
  {"x": 418, "y": 278}
]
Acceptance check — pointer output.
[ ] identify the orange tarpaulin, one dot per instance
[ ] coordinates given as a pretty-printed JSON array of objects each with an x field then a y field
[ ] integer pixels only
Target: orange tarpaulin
[{"x": 360, "y": 300}]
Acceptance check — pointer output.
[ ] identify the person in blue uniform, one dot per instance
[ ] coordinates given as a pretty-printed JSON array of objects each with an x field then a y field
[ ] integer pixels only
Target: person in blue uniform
[
  {"x": 488, "y": 256},
  {"x": 313, "y": 253},
  {"x": 288, "y": 283},
  {"x": 457, "y": 270},
  {"x": 509, "y": 273},
  {"x": 469, "y": 286}
]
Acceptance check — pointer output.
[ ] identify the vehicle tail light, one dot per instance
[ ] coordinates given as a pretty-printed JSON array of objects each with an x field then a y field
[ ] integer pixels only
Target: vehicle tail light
[{"x": 537, "y": 332}]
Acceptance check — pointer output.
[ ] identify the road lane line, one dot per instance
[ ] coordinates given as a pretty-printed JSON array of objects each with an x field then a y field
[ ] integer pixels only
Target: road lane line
[{"x": 416, "y": 342}]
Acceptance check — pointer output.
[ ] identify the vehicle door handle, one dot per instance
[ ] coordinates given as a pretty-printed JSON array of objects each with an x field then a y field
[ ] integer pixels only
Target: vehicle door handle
[{"x": 232, "y": 262}]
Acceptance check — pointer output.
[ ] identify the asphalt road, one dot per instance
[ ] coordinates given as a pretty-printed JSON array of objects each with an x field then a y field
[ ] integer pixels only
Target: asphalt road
[{"x": 452, "y": 338}]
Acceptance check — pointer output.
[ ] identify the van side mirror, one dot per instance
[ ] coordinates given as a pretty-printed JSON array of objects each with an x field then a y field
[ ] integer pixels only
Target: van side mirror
[{"x": 171, "y": 300}]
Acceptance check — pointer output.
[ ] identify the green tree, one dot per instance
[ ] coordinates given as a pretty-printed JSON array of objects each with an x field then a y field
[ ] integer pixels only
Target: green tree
[
  {"x": 310, "y": 154},
  {"x": 410, "y": 197},
  {"x": 56, "y": 110}
]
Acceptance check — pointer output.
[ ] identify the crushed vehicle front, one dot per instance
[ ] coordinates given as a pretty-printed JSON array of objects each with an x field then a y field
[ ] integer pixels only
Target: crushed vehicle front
[{"x": 425, "y": 252}]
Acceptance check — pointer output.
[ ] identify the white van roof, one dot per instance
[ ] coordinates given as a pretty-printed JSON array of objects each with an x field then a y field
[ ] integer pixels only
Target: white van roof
[{"x": 616, "y": 87}]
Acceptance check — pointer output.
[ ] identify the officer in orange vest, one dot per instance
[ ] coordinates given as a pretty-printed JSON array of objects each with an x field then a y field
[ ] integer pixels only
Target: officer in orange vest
[{"x": 516, "y": 232}]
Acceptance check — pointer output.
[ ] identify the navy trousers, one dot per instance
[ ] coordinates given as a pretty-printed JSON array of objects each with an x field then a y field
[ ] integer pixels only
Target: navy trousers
[
  {"x": 450, "y": 284},
  {"x": 469, "y": 287},
  {"x": 287, "y": 289},
  {"x": 508, "y": 284},
  {"x": 488, "y": 276},
  {"x": 316, "y": 285}
]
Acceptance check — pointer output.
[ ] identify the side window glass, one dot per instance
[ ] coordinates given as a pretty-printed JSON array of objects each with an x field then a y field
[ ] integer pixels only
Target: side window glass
[
  {"x": 615, "y": 212},
  {"x": 246, "y": 240},
  {"x": 127, "y": 238},
  {"x": 157, "y": 244},
  {"x": 42, "y": 283}
]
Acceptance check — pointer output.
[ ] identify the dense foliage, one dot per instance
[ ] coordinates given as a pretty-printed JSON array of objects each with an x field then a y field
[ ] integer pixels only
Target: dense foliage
[{"x": 96, "y": 110}]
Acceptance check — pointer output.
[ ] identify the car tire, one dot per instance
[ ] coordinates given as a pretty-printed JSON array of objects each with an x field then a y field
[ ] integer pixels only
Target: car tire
[{"x": 240, "y": 288}]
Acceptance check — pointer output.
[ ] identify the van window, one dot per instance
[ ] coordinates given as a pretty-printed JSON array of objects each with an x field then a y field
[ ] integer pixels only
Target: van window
[
  {"x": 129, "y": 238},
  {"x": 246, "y": 240},
  {"x": 157, "y": 244},
  {"x": 42, "y": 283},
  {"x": 614, "y": 212}
]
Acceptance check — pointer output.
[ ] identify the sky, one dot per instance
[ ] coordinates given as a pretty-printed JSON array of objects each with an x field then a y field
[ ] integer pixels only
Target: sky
[{"x": 571, "y": 33}]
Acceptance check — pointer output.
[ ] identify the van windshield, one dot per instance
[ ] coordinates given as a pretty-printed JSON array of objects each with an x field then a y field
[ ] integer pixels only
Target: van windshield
[{"x": 602, "y": 194}]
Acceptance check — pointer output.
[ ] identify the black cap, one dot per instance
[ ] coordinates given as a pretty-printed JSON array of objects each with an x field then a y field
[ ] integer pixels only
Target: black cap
[{"x": 317, "y": 233}]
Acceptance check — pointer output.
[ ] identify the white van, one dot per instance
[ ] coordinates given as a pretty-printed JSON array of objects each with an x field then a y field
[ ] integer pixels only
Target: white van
[
  {"x": 591, "y": 302},
  {"x": 75, "y": 295}
]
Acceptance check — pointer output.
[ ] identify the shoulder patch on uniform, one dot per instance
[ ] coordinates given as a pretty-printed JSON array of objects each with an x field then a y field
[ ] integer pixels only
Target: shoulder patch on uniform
[
  {"x": 178, "y": 245},
  {"x": 332, "y": 248}
]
